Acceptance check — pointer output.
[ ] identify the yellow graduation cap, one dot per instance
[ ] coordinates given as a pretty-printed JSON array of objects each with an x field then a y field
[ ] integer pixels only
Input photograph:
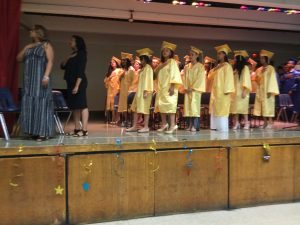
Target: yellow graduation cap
[
  {"x": 197, "y": 50},
  {"x": 168, "y": 45},
  {"x": 209, "y": 60},
  {"x": 118, "y": 61},
  {"x": 187, "y": 58},
  {"x": 266, "y": 53},
  {"x": 243, "y": 53},
  {"x": 125, "y": 55},
  {"x": 144, "y": 51},
  {"x": 224, "y": 48}
]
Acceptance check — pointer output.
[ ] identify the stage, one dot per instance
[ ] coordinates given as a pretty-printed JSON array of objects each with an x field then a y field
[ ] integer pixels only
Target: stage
[{"x": 113, "y": 175}]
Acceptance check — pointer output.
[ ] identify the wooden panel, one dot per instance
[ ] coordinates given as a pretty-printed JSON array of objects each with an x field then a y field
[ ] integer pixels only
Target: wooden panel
[
  {"x": 254, "y": 181},
  {"x": 203, "y": 186},
  {"x": 297, "y": 174},
  {"x": 27, "y": 191},
  {"x": 121, "y": 186}
]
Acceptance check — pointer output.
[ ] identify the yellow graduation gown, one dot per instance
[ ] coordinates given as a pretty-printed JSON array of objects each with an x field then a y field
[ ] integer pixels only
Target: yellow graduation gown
[
  {"x": 196, "y": 80},
  {"x": 125, "y": 82},
  {"x": 134, "y": 83},
  {"x": 222, "y": 88},
  {"x": 182, "y": 74},
  {"x": 112, "y": 83},
  {"x": 141, "y": 104},
  {"x": 240, "y": 105},
  {"x": 266, "y": 83},
  {"x": 170, "y": 74}
]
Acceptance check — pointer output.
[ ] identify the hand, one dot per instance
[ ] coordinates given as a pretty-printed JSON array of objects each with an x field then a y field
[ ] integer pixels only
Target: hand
[
  {"x": 244, "y": 94},
  {"x": 171, "y": 91},
  {"x": 75, "y": 91},
  {"x": 145, "y": 94},
  {"x": 189, "y": 90},
  {"x": 269, "y": 95},
  {"x": 45, "y": 81}
]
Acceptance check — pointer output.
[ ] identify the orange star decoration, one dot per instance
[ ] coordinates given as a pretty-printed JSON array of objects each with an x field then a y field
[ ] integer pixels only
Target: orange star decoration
[{"x": 59, "y": 190}]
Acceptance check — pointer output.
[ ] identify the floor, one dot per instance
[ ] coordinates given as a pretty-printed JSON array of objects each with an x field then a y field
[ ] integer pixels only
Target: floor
[
  {"x": 283, "y": 214},
  {"x": 102, "y": 133}
]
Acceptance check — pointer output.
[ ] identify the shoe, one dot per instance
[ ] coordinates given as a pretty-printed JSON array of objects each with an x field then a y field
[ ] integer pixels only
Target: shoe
[
  {"x": 171, "y": 131},
  {"x": 193, "y": 129},
  {"x": 269, "y": 126},
  {"x": 82, "y": 133},
  {"x": 144, "y": 130},
  {"x": 188, "y": 129},
  {"x": 75, "y": 132},
  {"x": 41, "y": 138},
  {"x": 236, "y": 126},
  {"x": 246, "y": 127},
  {"x": 132, "y": 129},
  {"x": 163, "y": 128}
]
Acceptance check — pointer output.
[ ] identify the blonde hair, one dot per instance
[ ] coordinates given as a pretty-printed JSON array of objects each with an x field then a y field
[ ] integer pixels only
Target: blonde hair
[{"x": 41, "y": 32}]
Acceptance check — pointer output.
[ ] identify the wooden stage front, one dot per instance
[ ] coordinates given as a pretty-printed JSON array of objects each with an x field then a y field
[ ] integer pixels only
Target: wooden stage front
[{"x": 111, "y": 175}]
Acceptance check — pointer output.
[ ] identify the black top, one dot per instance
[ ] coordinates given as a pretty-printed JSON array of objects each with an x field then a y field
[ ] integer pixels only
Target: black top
[{"x": 75, "y": 68}]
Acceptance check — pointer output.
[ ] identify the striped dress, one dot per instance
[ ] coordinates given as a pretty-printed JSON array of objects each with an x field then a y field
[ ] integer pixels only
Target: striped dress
[{"x": 37, "y": 116}]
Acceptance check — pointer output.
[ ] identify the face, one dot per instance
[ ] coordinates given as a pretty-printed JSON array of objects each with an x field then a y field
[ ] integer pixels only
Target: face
[
  {"x": 33, "y": 33},
  {"x": 291, "y": 64},
  {"x": 155, "y": 63},
  {"x": 136, "y": 65},
  {"x": 143, "y": 62},
  {"x": 193, "y": 56},
  {"x": 72, "y": 43},
  {"x": 262, "y": 60},
  {"x": 123, "y": 62},
  {"x": 166, "y": 53},
  {"x": 113, "y": 64},
  {"x": 221, "y": 56}
]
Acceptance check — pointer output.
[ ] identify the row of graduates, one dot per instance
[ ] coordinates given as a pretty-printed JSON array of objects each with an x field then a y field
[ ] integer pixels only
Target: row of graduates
[{"x": 229, "y": 85}]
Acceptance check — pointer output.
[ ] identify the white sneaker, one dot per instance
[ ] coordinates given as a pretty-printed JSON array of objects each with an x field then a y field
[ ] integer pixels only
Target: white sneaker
[
  {"x": 132, "y": 129},
  {"x": 171, "y": 130},
  {"x": 163, "y": 128},
  {"x": 143, "y": 130}
]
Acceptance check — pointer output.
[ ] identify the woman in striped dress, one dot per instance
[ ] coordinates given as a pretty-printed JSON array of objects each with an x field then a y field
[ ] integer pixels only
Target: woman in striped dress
[{"x": 37, "y": 119}]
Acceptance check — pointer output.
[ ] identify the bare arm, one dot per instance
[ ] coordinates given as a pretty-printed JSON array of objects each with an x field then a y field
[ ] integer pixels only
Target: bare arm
[{"x": 50, "y": 59}]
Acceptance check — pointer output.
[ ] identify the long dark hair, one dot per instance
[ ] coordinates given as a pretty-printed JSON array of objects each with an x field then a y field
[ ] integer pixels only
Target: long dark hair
[
  {"x": 80, "y": 44},
  {"x": 162, "y": 59},
  {"x": 111, "y": 69},
  {"x": 225, "y": 57},
  {"x": 240, "y": 63},
  {"x": 128, "y": 64},
  {"x": 146, "y": 58}
]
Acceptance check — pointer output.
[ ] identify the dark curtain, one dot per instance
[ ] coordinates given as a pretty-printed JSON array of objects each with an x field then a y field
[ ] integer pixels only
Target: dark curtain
[{"x": 9, "y": 46}]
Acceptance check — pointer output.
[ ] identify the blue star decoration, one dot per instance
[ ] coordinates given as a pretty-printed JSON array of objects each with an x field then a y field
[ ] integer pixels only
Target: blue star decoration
[{"x": 86, "y": 186}]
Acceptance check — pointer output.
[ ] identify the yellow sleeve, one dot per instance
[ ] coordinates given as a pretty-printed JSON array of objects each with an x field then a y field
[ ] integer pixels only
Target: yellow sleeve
[
  {"x": 175, "y": 74},
  {"x": 199, "y": 84},
  {"x": 272, "y": 84},
  {"x": 246, "y": 82},
  {"x": 130, "y": 77},
  {"x": 228, "y": 79},
  {"x": 148, "y": 74}
]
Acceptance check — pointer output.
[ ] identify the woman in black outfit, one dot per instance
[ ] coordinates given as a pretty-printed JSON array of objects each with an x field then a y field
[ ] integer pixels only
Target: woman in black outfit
[{"x": 75, "y": 77}]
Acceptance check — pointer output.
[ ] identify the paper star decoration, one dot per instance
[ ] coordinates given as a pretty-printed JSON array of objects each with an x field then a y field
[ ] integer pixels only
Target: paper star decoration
[
  {"x": 59, "y": 190},
  {"x": 86, "y": 186}
]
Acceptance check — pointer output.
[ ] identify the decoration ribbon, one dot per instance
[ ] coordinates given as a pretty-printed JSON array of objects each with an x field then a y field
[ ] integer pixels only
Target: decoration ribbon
[{"x": 155, "y": 161}]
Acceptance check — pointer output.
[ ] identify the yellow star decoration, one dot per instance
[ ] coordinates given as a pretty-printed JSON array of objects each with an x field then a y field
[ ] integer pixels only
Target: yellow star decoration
[{"x": 59, "y": 190}]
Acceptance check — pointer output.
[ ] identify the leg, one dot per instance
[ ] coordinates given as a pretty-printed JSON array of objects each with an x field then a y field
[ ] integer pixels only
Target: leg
[
  {"x": 235, "y": 121},
  {"x": 146, "y": 121},
  {"x": 172, "y": 120},
  {"x": 134, "y": 125},
  {"x": 163, "y": 119},
  {"x": 247, "y": 123},
  {"x": 85, "y": 118},
  {"x": 76, "y": 117}
]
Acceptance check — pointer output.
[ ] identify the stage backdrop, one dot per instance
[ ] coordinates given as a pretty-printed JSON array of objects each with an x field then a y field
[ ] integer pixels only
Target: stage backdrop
[{"x": 9, "y": 45}]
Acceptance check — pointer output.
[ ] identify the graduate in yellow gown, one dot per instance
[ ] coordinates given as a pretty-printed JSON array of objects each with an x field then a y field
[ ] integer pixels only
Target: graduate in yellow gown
[
  {"x": 194, "y": 85},
  {"x": 209, "y": 64},
  {"x": 168, "y": 82},
  {"x": 142, "y": 100},
  {"x": 187, "y": 60},
  {"x": 267, "y": 89},
  {"x": 112, "y": 83},
  {"x": 155, "y": 63},
  {"x": 222, "y": 88},
  {"x": 242, "y": 82},
  {"x": 252, "y": 66},
  {"x": 126, "y": 79}
]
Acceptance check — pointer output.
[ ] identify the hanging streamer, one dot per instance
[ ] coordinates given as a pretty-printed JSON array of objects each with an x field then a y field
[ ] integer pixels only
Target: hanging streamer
[
  {"x": 153, "y": 147},
  {"x": 266, "y": 154}
]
